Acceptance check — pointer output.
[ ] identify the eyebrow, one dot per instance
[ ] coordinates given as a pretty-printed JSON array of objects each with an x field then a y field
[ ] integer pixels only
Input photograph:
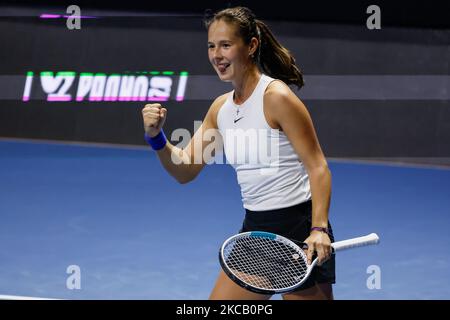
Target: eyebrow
[{"x": 221, "y": 41}]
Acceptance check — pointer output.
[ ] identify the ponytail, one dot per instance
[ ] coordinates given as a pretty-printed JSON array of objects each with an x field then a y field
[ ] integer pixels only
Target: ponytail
[{"x": 275, "y": 60}]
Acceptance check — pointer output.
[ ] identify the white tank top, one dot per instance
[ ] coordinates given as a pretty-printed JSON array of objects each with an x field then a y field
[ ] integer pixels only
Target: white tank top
[{"x": 269, "y": 172}]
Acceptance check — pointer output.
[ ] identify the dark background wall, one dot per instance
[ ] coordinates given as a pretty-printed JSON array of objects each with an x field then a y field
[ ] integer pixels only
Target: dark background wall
[
  {"x": 371, "y": 93},
  {"x": 400, "y": 13}
]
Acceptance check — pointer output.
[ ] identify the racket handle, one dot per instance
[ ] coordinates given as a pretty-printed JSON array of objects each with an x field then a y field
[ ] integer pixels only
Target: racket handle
[{"x": 356, "y": 242}]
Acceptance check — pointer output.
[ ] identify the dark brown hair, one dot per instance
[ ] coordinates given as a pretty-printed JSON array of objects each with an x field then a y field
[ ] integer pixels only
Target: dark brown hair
[{"x": 272, "y": 58}]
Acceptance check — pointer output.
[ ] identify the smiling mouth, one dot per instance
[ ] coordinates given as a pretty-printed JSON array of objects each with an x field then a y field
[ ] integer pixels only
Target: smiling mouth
[{"x": 223, "y": 67}]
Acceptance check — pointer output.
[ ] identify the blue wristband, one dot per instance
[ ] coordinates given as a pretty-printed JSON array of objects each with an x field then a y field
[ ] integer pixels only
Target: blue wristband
[{"x": 158, "y": 142}]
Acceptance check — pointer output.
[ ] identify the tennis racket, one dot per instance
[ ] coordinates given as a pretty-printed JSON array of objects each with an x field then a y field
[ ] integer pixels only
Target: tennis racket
[{"x": 268, "y": 263}]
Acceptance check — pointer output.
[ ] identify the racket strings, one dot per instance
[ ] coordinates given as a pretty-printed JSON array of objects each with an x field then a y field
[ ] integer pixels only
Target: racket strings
[
  {"x": 265, "y": 263},
  {"x": 271, "y": 267}
]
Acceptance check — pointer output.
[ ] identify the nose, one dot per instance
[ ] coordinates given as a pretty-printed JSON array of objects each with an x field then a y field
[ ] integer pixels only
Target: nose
[{"x": 217, "y": 54}]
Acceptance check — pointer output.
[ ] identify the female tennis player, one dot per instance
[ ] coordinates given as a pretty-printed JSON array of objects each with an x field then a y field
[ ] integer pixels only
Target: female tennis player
[{"x": 293, "y": 200}]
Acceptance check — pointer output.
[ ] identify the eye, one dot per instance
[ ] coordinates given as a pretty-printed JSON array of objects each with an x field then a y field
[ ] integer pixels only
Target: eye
[
  {"x": 226, "y": 45},
  {"x": 210, "y": 46}
]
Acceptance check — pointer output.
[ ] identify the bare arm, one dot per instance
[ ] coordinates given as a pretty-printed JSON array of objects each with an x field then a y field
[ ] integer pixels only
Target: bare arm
[
  {"x": 290, "y": 115},
  {"x": 184, "y": 164}
]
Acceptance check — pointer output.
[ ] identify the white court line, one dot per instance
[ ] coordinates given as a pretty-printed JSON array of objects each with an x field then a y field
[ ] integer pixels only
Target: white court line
[
  {"x": 408, "y": 162},
  {"x": 87, "y": 144},
  {"x": 414, "y": 163},
  {"x": 10, "y": 297}
]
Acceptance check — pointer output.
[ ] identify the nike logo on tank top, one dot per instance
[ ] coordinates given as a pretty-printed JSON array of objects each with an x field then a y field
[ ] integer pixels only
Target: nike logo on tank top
[{"x": 268, "y": 170}]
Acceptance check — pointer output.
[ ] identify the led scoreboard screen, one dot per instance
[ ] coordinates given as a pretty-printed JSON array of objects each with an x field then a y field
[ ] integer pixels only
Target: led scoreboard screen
[{"x": 67, "y": 86}]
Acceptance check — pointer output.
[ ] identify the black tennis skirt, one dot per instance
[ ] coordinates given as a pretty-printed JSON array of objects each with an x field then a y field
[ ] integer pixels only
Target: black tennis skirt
[{"x": 293, "y": 223}]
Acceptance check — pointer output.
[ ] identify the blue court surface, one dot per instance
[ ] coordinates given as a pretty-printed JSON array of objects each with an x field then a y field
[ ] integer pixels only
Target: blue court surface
[{"x": 135, "y": 233}]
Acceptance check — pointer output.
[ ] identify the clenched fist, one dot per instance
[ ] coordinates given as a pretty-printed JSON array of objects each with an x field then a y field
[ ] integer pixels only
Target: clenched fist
[{"x": 154, "y": 116}]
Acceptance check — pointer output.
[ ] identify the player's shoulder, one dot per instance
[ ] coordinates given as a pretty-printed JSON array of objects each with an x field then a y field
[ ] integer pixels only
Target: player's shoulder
[
  {"x": 282, "y": 104},
  {"x": 220, "y": 100},
  {"x": 278, "y": 96},
  {"x": 277, "y": 90},
  {"x": 215, "y": 107},
  {"x": 218, "y": 103}
]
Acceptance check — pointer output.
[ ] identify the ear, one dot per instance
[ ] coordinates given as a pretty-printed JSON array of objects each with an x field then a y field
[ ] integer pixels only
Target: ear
[{"x": 253, "y": 46}]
